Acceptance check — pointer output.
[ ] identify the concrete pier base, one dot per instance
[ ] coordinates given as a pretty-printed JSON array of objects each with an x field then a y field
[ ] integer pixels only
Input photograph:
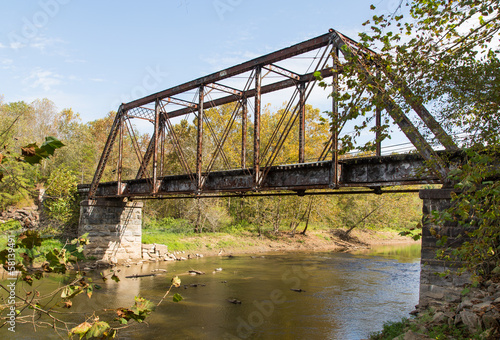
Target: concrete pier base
[
  {"x": 114, "y": 229},
  {"x": 436, "y": 288}
]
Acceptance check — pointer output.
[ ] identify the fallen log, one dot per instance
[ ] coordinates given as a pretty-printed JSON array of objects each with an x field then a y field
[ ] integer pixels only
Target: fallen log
[{"x": 138, "y": 275}]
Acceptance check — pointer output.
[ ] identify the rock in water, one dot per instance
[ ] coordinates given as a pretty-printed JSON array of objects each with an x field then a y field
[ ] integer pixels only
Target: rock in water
[{"x": 235, "y": 301}]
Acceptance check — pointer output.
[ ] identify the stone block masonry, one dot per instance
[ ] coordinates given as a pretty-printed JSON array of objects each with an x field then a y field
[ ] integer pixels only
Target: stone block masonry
[
  {"x": 113, "y": 227},
  {"x": 436, "y": 289}
]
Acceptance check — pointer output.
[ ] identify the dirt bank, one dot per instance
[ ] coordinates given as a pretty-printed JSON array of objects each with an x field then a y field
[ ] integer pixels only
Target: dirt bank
[{"x": 316, "y": 240}]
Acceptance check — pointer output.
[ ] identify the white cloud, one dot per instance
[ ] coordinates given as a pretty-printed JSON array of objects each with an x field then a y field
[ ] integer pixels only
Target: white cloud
[
  {"x": 44, "y": 79},
  {"x": 98, "y": 80},
  {"x": 16, "y": 45},
  {"x": 75, "y": 61},
  {"x": 42, "y": 43},
  {"x": 7, "y": 64}
]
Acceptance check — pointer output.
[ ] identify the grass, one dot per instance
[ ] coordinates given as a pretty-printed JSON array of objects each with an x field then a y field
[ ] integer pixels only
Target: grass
[
  {"x": 396, "y": 330},
  {"x": 172, "y": 240},
  {"x": 391, "y": 330}
]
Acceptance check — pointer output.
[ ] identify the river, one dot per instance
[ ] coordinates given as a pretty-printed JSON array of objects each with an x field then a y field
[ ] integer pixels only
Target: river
[{"x": 341, "y": 296}]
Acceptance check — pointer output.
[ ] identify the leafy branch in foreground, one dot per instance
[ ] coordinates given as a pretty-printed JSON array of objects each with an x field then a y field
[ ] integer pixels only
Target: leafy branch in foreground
[
  {"x": 476, "y": 207},
  {"x": 42, "y": 310}
]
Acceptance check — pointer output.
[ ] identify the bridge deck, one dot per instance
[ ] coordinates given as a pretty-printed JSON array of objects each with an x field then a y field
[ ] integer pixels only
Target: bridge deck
[{"x": 371, "y": 172}]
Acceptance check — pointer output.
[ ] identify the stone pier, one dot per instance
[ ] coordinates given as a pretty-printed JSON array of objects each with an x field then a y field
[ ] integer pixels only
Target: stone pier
[
  {"x": 435, "y": 288},
  {"x": 114, "y": 229}
]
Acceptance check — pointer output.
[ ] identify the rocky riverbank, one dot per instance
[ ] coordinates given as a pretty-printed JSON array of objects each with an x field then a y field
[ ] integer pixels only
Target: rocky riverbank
[{"x": 474, "y": 315}]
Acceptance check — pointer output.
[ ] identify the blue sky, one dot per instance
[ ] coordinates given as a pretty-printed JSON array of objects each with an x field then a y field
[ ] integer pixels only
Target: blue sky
[{"x": 92, "y": 55}]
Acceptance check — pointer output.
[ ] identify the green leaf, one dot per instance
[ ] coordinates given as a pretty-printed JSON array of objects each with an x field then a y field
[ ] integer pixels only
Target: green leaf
[
  {"x": 51, "y": 144},
  {"x": 33, "y": 154},
  {"x": 30, "y": 239},
  {"x": 97, "y": 330},
  {"x": 115, "y": 278},
  {"x": 90, "y": 289},
  {"x": 176, "y": 282},
  {"x": 81, "y": 329},
  {"x": 71, "y": 291},
  {"x": 177, "y": 297}
]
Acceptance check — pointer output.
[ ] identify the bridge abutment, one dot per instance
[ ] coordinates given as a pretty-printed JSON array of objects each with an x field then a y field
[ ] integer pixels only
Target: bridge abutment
[
  {"x": 114, "y": 228},
  {"x": 436, "y": 288}
]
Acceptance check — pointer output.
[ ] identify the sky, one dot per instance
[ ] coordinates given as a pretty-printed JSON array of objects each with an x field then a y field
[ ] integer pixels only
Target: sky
[{"x": 93, "y": 55}]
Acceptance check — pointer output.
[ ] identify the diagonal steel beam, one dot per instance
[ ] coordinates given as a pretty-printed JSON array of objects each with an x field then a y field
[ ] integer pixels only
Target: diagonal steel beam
[
  {"x": 180, "y": 102},
  {"x": 443, "y": 137},
  {"x": 397, "y": 114},
  {"x": 282, "y": 71},
  {"x": 108, "y": 147},
  {"x": 226, "y": 89},
  {"x": 285, "y": 53}
]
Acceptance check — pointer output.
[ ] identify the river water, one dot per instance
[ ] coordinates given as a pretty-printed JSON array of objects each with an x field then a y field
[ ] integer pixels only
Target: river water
[{"x": 343, "y": 296}]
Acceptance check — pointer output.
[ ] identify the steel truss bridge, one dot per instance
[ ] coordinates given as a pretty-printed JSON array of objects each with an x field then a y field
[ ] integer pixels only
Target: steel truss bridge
[{"x": 206, "y": 169}]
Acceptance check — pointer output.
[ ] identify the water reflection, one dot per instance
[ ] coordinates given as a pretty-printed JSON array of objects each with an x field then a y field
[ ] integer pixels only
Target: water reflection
[{"x": 343, "y": 296}]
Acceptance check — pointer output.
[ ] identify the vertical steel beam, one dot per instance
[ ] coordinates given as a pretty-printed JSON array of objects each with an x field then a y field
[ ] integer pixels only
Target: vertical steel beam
[
  {"x": 256, "y": 129},
  {"x": 244, "y": 117},
  {"x": 378, "y": 122},
  {"x": 199, "y": 149},
  {"x": 119, "y": 190},
  {"x": 334, "y": 181},
  {"x": 162, "y": 146},
  {"x": 302, "y": 121},
  {"x": 155, "y": 146}
]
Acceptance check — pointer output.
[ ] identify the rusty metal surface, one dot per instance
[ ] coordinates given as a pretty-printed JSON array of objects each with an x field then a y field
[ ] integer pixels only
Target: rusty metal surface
[
  {"x": 302, "y": 122},
  {"x": 199, "y": 139},
  {"x": 264, "y": 174},
  {"x": 280, "y": 85},
  {"x": 369, "y": 172},
  {"x": 256, "y": 130}
]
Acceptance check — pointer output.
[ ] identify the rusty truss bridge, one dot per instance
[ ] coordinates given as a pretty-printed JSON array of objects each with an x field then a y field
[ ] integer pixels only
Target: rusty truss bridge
[{"x": 176, "y": 159}]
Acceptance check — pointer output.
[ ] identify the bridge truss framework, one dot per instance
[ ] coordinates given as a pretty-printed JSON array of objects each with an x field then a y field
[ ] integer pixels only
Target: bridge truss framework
[{"x": 326, "y": 172}]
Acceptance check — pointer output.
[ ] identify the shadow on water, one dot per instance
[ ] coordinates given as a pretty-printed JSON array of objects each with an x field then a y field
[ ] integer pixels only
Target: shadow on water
[{"x": 402, "y": 252}]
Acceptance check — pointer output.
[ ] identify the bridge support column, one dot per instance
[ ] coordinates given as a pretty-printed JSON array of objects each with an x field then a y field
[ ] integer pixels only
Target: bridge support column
[
  {"x": 435, "y": 288},
  {"x": 114, "y": 229}
]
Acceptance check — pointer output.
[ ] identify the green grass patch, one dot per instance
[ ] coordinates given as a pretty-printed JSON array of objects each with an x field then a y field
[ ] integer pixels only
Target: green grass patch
[
  {"x": 174, "y": 241},
  {"x": 391, "y": 330}
]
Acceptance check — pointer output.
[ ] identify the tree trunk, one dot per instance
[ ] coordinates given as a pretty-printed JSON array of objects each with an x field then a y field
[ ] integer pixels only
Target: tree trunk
[
  {"x": 364, "y": 218},
  {"x": 198, "y": 217},
  {"x": 308, "y": 216},
  {"x": 278, "y": 218}
]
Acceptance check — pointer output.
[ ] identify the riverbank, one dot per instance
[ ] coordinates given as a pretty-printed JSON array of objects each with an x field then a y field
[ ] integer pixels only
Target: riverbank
[
  {"x": 213, "y": 244},
  {"x": 473, "y": 315}
]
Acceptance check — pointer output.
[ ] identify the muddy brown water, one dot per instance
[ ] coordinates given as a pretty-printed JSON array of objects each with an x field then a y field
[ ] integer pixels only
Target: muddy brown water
[{"x": 283, "y": 296}]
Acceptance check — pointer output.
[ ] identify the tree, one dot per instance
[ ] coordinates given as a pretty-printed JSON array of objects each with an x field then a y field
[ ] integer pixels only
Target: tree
[{"x": 447, "y": 52}]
